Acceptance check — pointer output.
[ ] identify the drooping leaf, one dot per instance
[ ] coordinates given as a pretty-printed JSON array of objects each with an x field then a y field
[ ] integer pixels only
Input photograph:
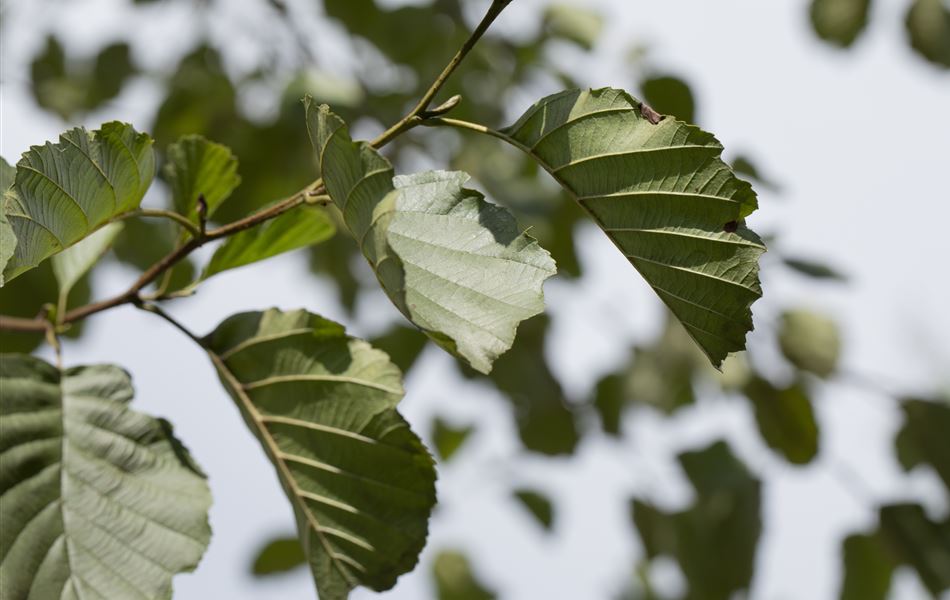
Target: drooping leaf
[
  {"x": 295, "y": 229},
  {"x": 670, "y": 95},
  {"x": 928, "y": 27},
  {"x": 923, "y": 438},
  {"x": 447, "y": 438},
  {"x": 277, "y": 556},
  {"x": 7, "y": 236},
  {"x": 919, "y": 542},
  {"x": 810, "y": 341},
  {"x": 715, "y": 540},
  {"x": 660, "y": 191},
  {"x": 538, "y": 505},
  {"x": 867, "y": 568},
  {"x": 72, "y": 263},
  {"x": 322, "y": 405},
  {"x": 455, "y": 579},
  {"x": 402, "y": 344},
  {"x": 454, "y": 265},
  {"x": 813, "y": 269},
  {"x": 198, "y": 167},
  {"x": 98, "y": 500},
  {"x": 785, "y": 418},
  {"x": 63, "y": 192},
  {"x": 574, "y": 23},
  {"x": 840, "y": 22}
]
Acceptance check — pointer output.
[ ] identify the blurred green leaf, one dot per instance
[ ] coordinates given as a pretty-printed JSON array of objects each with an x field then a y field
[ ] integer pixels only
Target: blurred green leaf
[
  {"x": 928, "y": 27},
  {"x": 670, "y": 95},
  {"x": 743, "y": 165},
  {"x": 867, "y": 568},
  {"x": 25, "y": 297},
  {"x": 814, "y": 269},
  {"x": 786, "y": 419},
  {"x": 609, "y": 402},
  {"x": 923, "y": 439},
  {"x": 278, "y": 555},
  {"x": 448, "y": 438},
  {"x": 839, "y": 22},
  {"x": 144, "y": 241},
  {"x": 335, "y": 258},
  {"x": 455, "y": 580},
  {"x": 715, "y": 540},
  {"x": 295, "y": 229},
  {"x": 538, "y": 505},
  {"x": 810, "y": 341},
  {"x": 72, "y": 263},
  {"x": 7, "y": 235},
  {"x": 918, "y": 542},
  {"x": 402, "y": 344},
  {"x": 197, "y": 167},
  {"x": 574, "y": 23}
]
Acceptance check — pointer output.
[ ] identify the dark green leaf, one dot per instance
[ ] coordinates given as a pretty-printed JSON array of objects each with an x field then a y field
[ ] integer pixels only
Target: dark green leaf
[
  {"x": 928, "y": 27},
  {"x": 610, "y": 400},
  {"x": 660, "y": 191},
  {"x": 813, "y": 269},
  {"x": 918, "y": 542},
  {"x": 402, "y": 344},
  {"x": 7, "y": 235},
  {"x": 448, "y": 439},
  {"x": 322, "y": 404},
  {"x": 454, "y": 579},
  {"x": 743, "y": 165},
  {"x": 538, "y": 505},
  {"x": 277, "y": 556},
  {"x": 867, "y": 568},
  {"x": 786, "y": 419},
  {"x": 924, "y": 437},
  {"x": 95, "y": 496},
  {"x": 840, "y": 22},
  {"x": 198, "y": 167},
  {"x": 670, "y": 95}
]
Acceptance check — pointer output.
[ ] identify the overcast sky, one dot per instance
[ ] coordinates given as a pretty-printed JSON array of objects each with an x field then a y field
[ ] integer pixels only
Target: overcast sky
[{"x": 859, "y": 140}]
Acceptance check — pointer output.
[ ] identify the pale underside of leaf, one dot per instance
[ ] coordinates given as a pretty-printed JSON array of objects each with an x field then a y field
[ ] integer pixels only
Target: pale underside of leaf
[
  {"x": 454, "y": 264},
  {"x": 323, "y": 406},
  {"x": 97, "y": 501},
  {"x": 65, "y": 191},
  {"x": 662, "y": 194},
  {"x": 72, "y": 263}
]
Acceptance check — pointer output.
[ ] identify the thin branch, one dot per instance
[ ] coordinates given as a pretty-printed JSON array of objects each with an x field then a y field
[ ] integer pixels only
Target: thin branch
[
  {"x": 416, "y": 115},
  {"x": 156, "y": 310},
  {"x": 168, "y": 214}
]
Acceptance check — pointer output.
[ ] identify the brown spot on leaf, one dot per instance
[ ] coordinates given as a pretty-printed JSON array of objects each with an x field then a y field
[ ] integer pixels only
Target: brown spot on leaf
[
  {"x": 649, "y": 114},
  {"x": 731, "y": 227}
]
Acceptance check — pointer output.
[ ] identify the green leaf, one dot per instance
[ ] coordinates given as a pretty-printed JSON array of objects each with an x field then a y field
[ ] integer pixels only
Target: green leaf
[
  {"x": 923, "y": 438},
  {"x": 64, "y": 192},
  {"x": 813, "y": 269},
  {"x": 609, "y": 402},
  {"x": 579, "y": 25},
  {"x": 743, "y": 165},
  {"x": 840, "y": 22},
  {"x": 455, "y": 580},
  {"x": 72, "y": 263},
  {"x": 295, "y": 229},
  {"x": 278, "y": 555},
  {"x": 670, "y": 95},
  {"x": 322, "y": 404},
  {"x": 928, "y": 27},
  {"x": 98, "y": 500},
  {"x": 7, "y": 235},
  {"x": 538, "y": 505},
  {"x": 197, "y": 167},
  {"x": 402, "y": 344},
  {"x": 919, "y": 542},
  {"x": 660, "y": 191},
  {"x": 454, "y": 265},
  {"x": 867, "y": 568},
  {"x": 786, "y": 419},
  {"x": 810, "y": 341},
  {"x": 448, "y": 439}
]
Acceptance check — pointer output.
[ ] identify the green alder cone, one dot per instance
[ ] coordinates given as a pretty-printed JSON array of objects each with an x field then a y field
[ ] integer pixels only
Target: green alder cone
[
  {"x": 98, "y": 501},
  {"x": 660, "y": 191},
  {"x": 322, "y": 404},
  {"x": 452, "y": 263},
  {"x": 63, "y": 192}
]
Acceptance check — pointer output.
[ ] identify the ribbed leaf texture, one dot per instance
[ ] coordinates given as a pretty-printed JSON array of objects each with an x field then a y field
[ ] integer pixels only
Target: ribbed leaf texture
[
  {"x": 659, "y": 189},
  {"x": 198, "y": 167},
  {"x": 97, "y": 501},
  {"x": 454, "y": 264},
  {"x": 65, "y": 191},
  {"x": 7, "y": 236},
  {"x": 322, "y": 404}
]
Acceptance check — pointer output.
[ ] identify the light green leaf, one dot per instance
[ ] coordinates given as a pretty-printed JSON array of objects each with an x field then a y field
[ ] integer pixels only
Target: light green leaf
[
  {"x": 455, "y": 579},
  {"x": 74, "y": 262},
  {"x": 197, "y": 166},
  {"x": 579, "y": 25},
  {"x": 928, "y": 27},
  {"x": 538, "y": 505},
  {"x": 278, "y": 555},
  {"x": 454, "y": 265},
  {"x": 785, "y": 418},
  {"x": 7, "y": 236},
  {"x": 660, "y": 191},
  {"x": 299, "y": 228},
  {"x": 322, "y": 404},
  {"x": 810, "y": 341},
  {"x": 99, "y": 501},
  {"x": 840, "y": 22},
  {"x": 64, "y": 192}
]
